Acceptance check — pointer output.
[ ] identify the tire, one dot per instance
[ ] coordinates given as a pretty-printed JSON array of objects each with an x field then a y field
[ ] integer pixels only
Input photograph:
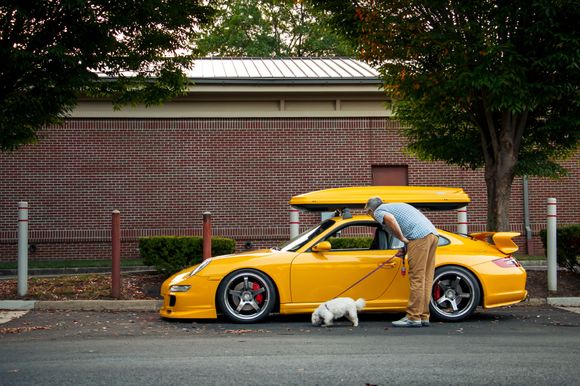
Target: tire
[
  {"x": 455, "y": 294},
  {"x": 246, "y": 296}
]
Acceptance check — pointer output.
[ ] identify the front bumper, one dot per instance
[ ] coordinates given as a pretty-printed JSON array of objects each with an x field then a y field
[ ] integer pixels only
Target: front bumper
[{"x": 197, "y": 303}]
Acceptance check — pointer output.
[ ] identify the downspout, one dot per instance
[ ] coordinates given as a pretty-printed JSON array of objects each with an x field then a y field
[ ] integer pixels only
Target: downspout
[{"x": 527, "y": 225}]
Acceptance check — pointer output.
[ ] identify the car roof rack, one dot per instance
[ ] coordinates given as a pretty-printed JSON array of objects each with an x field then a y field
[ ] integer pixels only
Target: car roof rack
[{"x": 356, "y": 197}]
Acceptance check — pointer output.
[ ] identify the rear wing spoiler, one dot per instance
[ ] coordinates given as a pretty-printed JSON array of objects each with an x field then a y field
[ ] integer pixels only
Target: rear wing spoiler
[{"x": 501, "y": 240}]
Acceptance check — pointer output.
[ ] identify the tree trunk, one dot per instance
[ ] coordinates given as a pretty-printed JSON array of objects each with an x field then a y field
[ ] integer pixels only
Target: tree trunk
[
  {"x": 501, "y": 143},
  {"x": 498, "y": 179}
]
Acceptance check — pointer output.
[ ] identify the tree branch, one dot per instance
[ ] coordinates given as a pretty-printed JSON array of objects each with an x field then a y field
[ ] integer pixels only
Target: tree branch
[
  {"x": 490, "y": 127},
  {"x": 519, "y": 131}
]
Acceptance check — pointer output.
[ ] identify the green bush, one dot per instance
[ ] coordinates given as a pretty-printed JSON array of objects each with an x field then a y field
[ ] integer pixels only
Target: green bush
[
  {"x": 568, "y": 244},
  {"x": 170, "y": 254},
  {"x": 350, "y": 242}
]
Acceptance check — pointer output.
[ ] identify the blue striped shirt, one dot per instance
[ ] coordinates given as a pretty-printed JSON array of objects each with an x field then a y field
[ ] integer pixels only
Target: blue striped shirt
[{"x": 414, "y": 225}]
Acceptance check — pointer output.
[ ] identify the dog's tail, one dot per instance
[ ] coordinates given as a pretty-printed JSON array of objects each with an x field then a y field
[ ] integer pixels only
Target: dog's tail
[{"x": 360, "y": 304}]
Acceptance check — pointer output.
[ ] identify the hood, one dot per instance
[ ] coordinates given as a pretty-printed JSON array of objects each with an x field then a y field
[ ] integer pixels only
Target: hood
[
  {"x": 255, "y": 253},
  {"x": 186, "y": 272}
]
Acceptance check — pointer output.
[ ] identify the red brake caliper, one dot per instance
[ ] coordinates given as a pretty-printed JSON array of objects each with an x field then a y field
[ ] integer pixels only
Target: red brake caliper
[
  {"x": 437, "y": 292},
  {"x": 259, "y": 297}
]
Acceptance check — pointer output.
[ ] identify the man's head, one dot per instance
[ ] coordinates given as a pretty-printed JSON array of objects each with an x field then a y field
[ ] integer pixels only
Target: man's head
[{"x": 372, "y": 204}]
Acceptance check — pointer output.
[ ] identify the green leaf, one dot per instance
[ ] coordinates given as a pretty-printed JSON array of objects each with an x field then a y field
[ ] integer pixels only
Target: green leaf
[{"x": 50, "y": 51}]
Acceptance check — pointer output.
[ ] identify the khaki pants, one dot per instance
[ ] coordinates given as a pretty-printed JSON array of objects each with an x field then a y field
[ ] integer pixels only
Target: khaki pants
[{"x": 421, "y": 255}]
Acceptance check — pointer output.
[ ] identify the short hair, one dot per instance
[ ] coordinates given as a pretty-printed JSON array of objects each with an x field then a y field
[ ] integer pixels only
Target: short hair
[{"x": 373, "y": 203}]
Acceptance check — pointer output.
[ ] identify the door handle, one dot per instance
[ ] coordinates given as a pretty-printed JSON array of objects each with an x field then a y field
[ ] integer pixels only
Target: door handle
[{"x": 387, "y": 265}]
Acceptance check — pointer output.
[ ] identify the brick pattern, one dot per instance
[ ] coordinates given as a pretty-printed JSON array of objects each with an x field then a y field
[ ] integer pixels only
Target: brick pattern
[{"x": 163, "y": 174}]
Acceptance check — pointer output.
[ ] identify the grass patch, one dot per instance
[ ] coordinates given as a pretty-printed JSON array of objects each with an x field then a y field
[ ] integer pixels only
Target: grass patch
[
  {"x": 72, "y": 264},
  {"x": 529, "y": 258}
]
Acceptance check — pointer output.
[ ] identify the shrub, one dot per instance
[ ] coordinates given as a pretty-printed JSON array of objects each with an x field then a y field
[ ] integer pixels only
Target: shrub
[
  {"x": 568, "y": 244},
  {"x": 170, "y": 254},
  {"x": 350, "y": 242}
]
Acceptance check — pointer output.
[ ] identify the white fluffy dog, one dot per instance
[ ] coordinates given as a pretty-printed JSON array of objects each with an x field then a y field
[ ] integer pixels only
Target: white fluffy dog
[{"x": 336, "y": 309}]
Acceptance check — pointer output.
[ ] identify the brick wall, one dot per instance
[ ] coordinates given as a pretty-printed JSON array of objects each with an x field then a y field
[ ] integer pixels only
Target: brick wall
[{"x": 163, "y": 174}]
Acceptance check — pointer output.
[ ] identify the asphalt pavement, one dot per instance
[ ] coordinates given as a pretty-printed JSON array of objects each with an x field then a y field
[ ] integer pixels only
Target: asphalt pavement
[
  {"x": 62, "y": 323},
  {"x": 524, "y": 345},
  {"x": 120, "y": 342}
]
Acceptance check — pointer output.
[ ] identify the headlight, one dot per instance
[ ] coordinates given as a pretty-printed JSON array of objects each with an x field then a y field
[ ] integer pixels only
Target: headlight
[
  {"x": 200, "y": 267},
  {"x": 179, "y": 288}
]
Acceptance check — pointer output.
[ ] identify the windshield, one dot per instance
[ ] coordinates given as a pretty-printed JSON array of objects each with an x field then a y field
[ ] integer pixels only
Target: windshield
[{"x": 303, "y": 238}]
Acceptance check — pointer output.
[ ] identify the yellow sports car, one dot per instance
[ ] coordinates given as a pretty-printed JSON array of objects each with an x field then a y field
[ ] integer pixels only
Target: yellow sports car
[{"x": 350, "y": 256}]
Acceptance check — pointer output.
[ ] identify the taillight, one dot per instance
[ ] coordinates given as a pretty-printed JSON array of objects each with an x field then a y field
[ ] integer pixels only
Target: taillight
[{"x": 507, "y": 262}]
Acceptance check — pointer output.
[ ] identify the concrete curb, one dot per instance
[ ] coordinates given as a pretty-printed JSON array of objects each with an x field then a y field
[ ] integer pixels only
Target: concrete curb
[
  {"x": 532, "y": 302},
  {"x": 101, "y": 305},
  {"x": 82, "y": 305},
  {"x": 564, "y": 302},
  {"x": 155, "y": 305},
  {"x": 552, "y": 301},
  {"x": 17, "y": 304}
]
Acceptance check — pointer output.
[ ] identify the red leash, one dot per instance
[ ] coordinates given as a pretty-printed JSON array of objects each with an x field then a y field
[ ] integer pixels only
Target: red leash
[{"x": 399, "y": 253}]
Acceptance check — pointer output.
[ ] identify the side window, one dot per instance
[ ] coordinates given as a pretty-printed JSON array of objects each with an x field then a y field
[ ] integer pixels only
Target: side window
[
  {"x": 395, "y": 243},
  {"x": 367, "y": 236},
  {"x": 358, "y": 237},
  {"x": 443, "y": 241}
]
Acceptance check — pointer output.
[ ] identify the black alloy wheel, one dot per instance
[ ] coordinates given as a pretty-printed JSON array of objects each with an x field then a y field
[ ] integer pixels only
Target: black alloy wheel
[
  {"x": 455, "y": 294},
  {"x": 246, "y": 296}
]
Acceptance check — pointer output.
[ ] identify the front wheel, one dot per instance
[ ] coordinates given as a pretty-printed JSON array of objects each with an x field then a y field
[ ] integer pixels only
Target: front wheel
[
  {"x": 246, "y": 296},
  {"x": 455, "y": 294}
]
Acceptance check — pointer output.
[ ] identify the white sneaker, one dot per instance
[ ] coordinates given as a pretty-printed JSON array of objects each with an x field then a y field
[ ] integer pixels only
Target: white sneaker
[{"x": 406, "y": 322}]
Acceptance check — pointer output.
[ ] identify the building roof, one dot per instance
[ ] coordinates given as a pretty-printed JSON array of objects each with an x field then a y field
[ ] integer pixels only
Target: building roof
[
  {"x": 263, "y": 88},
  {"x": 282, "y": 70}
]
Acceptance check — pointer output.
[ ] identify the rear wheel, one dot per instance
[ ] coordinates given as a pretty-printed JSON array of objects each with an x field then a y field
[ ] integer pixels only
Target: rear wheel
[
  {"x": 455, "y": 294},
  {"x": 246, "y": 296}
]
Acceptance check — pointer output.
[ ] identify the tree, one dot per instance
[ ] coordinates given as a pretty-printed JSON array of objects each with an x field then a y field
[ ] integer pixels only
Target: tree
[
  {"x": 266, "y": 28},
  {"x": 480, "y": 83},
  {"x": 55, "y": 50}
]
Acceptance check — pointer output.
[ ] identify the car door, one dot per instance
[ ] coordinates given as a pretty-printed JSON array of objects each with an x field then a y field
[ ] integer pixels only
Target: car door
[{"x": 320, "y": 276}]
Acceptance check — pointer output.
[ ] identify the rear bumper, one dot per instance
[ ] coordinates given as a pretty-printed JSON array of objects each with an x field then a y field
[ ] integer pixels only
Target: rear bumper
[{"x": 502, "y": 286}]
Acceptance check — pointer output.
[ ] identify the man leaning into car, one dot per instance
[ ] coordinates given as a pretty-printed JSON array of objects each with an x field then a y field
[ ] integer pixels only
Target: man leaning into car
[{"x": 411, "y": 226}]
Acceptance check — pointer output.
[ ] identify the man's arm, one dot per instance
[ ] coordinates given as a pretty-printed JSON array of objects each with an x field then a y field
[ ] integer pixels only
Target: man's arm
[{"x": 391, "y": 222}]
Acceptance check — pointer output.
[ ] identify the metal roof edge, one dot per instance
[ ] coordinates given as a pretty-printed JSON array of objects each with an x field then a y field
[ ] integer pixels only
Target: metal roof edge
[{"x": 282, "y": 81}]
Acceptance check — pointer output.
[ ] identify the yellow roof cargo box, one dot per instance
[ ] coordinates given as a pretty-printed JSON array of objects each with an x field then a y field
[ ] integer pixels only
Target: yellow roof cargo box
[{"x": 426, "y": 197}]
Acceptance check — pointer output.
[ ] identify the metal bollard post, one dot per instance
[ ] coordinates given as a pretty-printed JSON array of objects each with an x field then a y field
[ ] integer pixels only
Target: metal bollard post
[
  {"x": 22, "y": 248},
  {"x": 116, "y": 257},
  {"x": 462, "y": 220},
  {"x": 206, "y": 252},
  {"x": 552, "y": 252},
  {"x": 294, "y": 223}
]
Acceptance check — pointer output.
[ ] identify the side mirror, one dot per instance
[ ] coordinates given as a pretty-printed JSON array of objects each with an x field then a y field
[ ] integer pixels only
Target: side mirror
[{"x": 321, "y": 247}]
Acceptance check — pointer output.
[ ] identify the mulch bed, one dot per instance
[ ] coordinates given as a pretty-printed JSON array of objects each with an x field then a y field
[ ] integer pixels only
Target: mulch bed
[
  {"x": 568, "y": 284},
  {"x": 84, "y": 287},
  {"x": 146, "y": 286}
]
